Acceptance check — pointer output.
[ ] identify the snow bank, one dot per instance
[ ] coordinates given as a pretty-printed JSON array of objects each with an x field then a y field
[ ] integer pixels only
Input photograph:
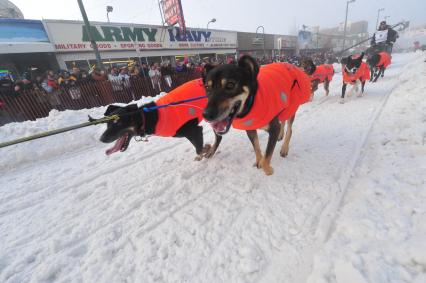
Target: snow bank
[
  {"x": 408, "y": 37},
  {"x": 381, "y": 230}
]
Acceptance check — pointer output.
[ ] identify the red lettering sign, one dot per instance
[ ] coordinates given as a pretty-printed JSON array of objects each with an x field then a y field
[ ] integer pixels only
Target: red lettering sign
[{"x": 173, "y": 13}]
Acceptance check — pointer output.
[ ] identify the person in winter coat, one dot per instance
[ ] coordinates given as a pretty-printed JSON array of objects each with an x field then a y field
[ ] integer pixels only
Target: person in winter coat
[
  {"x": 384, "y": 38},
  {"x": 155, "y": 76}
]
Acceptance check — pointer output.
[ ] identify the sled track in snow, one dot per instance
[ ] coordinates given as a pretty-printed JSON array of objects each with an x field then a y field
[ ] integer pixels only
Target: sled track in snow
[{"x": 329, "y": 216}]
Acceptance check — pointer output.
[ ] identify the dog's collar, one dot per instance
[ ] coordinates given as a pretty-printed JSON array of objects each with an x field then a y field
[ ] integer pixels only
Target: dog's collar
[{"x": 250, "y": 101}]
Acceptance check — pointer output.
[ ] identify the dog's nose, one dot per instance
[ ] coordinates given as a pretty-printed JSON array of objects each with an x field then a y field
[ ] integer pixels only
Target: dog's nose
[{"x": 209, "y": 114}]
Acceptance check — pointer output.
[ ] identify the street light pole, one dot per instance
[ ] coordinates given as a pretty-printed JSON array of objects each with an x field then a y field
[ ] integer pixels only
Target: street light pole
[
  {"x": 346, "y": 22},
  {"x": 211, "y": 21},
  {"x": 378, "y": 15},
  {"x": 89, "y": 34},
  {"x": 263, "y": 31},
  {"x": 109, "y": 10}
]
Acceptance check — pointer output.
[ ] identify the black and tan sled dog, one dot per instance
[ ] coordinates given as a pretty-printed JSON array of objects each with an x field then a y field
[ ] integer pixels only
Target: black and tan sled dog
[
  {"x": 251, "y": 98},
  {"x": 175, "y": 121}
]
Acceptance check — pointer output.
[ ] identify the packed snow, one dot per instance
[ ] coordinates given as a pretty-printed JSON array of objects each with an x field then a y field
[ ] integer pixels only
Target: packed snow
[{"x": 347, "y": 204}]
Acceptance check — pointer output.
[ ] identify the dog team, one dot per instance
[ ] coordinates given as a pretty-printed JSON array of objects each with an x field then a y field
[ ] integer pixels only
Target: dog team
[{"x": 244, "y": 96}]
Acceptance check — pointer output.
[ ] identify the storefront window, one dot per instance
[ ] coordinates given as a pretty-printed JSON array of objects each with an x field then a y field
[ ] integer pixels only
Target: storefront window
[
  {"x": 135, "y": 59},
  {"x": 81, "y": 64},
  {"x": 208, "y": 57},
  {"x": 154, "y": 59}
]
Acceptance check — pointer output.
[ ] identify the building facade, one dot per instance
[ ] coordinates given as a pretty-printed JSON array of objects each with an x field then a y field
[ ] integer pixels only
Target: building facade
[
  {"x": 8, "y": 10},
  {"x": 332, "y": 38},
  {"x": 141, "y": 43},
  {"x": 24, "y": 45},
  {"x": 261, "y": 45}
]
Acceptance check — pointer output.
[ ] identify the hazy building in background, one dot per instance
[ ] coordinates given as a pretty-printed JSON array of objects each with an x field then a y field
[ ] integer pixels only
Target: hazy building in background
[
  {"x": 261, "y": 45},
  {"x": 333, "y": 37},
  {"x": 9, "y": 10}
]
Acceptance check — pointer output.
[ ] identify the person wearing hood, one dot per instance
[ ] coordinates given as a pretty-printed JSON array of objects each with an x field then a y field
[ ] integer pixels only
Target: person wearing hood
[{"x": 384, "y": 38}]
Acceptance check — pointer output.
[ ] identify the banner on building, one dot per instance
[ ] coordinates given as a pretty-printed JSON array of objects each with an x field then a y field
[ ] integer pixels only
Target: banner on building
[
  {"x": 173, "y": 14},
  {"x": 304, "y": 38}
]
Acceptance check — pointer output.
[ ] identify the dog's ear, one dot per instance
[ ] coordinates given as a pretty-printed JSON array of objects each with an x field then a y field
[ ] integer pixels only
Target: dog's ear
[
  {"x": 110, "y": 109},
  {"x": 207, "y": 68},
  {"x": 249, "y": 63}
]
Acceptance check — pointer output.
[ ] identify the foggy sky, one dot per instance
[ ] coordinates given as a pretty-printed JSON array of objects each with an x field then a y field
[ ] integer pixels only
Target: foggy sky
[{"x": 277, "y": 16}]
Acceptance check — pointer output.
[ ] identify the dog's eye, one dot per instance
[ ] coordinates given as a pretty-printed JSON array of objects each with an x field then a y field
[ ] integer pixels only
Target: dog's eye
[{"x": 230, "y": 85}]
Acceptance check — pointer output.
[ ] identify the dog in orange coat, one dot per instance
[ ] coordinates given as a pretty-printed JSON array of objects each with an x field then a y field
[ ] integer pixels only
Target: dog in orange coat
[
  {"x": 251, "y": 98},
  {"x": 355, "y": 72},
  {"x": 180, "y": 120},
  {"x": 319, "y": 74},
  {"x": 378, "y": 62}
]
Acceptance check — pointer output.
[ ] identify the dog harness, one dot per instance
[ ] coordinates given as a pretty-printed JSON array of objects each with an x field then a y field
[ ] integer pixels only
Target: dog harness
[
  {"x": 362, "y": 74},
  {"x": 171, "y": 119},
  {"x": 323, "y": 72},
  {"x": 282, "y": 88},
  {"x": 385, "y": 60}
]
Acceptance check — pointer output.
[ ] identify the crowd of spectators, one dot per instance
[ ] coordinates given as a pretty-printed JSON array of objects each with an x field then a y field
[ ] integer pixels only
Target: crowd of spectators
[
  {"x": 121, "y": 77},
  {"x": 160, "y": 76},
  {"x": 133, "y": 79},
  {"x": 323, "y": 57}
]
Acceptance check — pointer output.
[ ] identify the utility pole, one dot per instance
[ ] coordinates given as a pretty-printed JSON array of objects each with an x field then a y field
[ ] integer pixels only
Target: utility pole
[
  {"x": 263, "y": 32},
  {"x": 378, "y": 16},
  {"x": 346, "y": 22},
  {"x": 89, "y": 34}
]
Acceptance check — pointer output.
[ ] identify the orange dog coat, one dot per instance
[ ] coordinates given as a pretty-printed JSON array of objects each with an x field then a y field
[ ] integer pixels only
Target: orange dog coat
[
  {"x": 385, "y": 60},
  {"x": 282, "y": 88},
  {"x": 322, "y": 72},
  {"x": 363, "y": 74},
  {"x": 171, "y": 118}
]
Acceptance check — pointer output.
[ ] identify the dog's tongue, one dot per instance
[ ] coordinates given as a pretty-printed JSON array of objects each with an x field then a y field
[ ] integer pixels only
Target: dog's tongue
[
  {"x": 219, "y": 126},
  {"x": 117, "y": 146}
]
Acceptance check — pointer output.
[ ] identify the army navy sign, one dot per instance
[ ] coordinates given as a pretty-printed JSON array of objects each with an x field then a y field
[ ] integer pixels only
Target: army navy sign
[{"x": 70, "y": 36}]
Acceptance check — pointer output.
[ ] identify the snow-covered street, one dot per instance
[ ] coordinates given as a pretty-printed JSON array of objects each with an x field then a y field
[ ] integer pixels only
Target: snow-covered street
[{"x": 348, "y": 203}]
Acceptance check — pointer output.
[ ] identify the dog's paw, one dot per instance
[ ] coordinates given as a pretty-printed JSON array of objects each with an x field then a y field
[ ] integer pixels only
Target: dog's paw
[
  {"x": 210, "y": 152},
  {"x": 198, "y": 157},
  {"x": 266, "y": 167},
  {"x": 268, "y": 171},
  {"x": 258, "y": 163},
  {"x": 284, "y": 152},
  {"x": 207, "y": 147}
]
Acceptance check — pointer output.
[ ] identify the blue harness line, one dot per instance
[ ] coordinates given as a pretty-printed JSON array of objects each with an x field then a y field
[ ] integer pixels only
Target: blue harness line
[
  {"x": 148, "y": 109},
  {"x": 93, "y": 121}
]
